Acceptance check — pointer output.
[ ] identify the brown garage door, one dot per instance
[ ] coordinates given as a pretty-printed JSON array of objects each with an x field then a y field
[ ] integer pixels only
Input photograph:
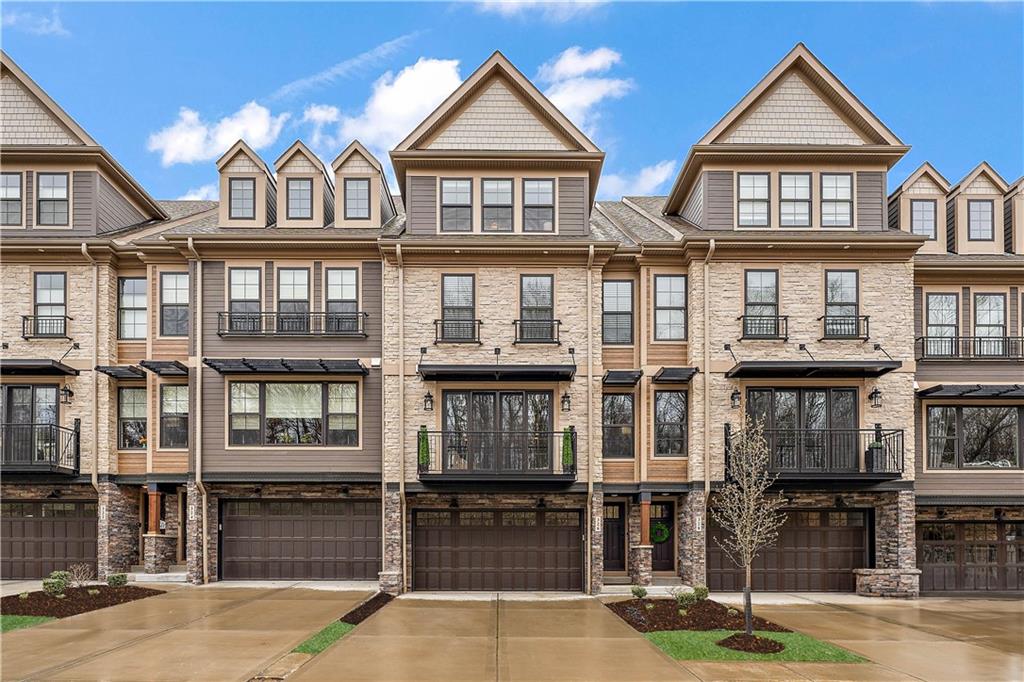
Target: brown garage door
[
  {"x": 497, "y": 550},
  {"x": 300, "y": 540},
  {"x": 971, "y": 557},
  {"x": 39, "y": 537},
  {"x": 817, "y": 552}
]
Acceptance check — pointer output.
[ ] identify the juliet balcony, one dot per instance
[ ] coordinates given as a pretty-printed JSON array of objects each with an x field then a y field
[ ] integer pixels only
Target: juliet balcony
[
  {"x": 44, "y": 326},
  {"x": 849, "y": 327},
  {"x": 969, "y": 348},
  {"x": 291, "y": 324},
  {"x": 39, "y": 448},
  {"x": 496, "y": 456}
]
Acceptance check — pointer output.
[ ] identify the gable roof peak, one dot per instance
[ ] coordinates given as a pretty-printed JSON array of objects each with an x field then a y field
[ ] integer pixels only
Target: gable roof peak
[
  {"x": 925, "y": 169},
  {"x": 299, "y": 147},
  {"x": 241, "y": 147},
  {"x": 356, "y": 147},
  {"x": 64, "y": 119},
  {"x": 982, "y": 168}
]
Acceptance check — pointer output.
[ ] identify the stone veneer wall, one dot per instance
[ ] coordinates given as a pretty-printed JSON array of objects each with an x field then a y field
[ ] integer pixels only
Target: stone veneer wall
[
  {"x": 194, "y": 533},
  {"x": 970, "y": 513},
  {"x": 118, "y": 532},
  {"x": 160, "y": 552},
  {"x": 391, "y": 579},
  {"x": 639, "y": 557},
  {"x": 693, "y": 522}
]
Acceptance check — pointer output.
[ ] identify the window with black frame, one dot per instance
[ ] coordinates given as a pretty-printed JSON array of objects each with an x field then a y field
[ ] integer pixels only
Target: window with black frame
[
  {"x": 342, "y": 300},
  {"x": 174, "y": 304},
  {"x": 670, "y": 423},
  {"x": 842, "y": 308},
  {"x": 10, "y": 199},
  {"x": 131, "y": 418},
  {"x": 942, "y": 325},
  {"x": 617, "y": 312},
  {"x": 536, "y": 308},
  {"x": 794, "y": 199},
  {"x": 241, "y": 198},
  {"x": 244, "y": 414},
  {"x": 50, "y": 306},
  {"x": 617, "y": 426},
  {"x": 357, "y": 198},
  {"x": 173, "y": 416},
  {"x": 753, "y": 200},
  {"x": 497, "y": 205},
  {"x": 131, "y": 307},
  {"x": 922, "y": 218},
  {"x": 52, "y": 208},
  {"x": 836, "y": 200},
  {"x": 300, "y": 198},
  {"x": 808, "y": 429},
  {"x": 989, "y": 325},
  {"x": 293, "y": 300},
  {"x": 456, "y": 205},
  {"x": 979, "y": 221},
  {"x": 294, "y": 414},
  {"x": 761, "y": 304},
  {"x": 244, "y": 300},
  {"x": 669, "y": 307},
  {"x": 974, "y": 436},
  {"x": 538, "y": 205},
  {"x": 457, "y": 308}
]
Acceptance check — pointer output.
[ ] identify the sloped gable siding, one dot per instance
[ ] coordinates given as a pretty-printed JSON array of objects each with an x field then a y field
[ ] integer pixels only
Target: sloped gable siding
[
  {"x": 23, "y": 120},
  {"x": 982, "y": 185}
]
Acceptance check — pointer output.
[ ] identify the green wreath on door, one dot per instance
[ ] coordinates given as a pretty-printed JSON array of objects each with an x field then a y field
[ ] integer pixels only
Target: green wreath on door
[{"x": 660, "y": 532}]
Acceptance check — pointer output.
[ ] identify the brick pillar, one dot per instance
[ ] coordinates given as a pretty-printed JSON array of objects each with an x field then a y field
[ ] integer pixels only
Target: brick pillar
[
  {"x": 693, "y": 538},
  {"x": 638, "y": 562},
  {"x": 117, "y": 529},
  {"x": 194, "y": 533},
  {"x": 391, "y": 576},
  {"x": 895, "y": 573},
  {"x": 160, "y": 552},
  {"x": 597, "y": 541}
]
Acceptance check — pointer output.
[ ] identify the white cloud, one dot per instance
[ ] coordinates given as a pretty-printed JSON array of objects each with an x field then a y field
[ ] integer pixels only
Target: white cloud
[
  {"x": 321, "y": 115},
  {"x": 575, "y": 62},
  {"x": 190, "y": 139},
  {"x": 647, "y": 180},
  {"x": 204, "y": 192},
  {"x": 555, "y": 12},
  {"x": 36, "y": 24}
]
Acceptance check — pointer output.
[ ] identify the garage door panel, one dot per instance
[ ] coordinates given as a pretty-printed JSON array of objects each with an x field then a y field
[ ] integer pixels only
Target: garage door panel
[{"x": 38, "y": 537}]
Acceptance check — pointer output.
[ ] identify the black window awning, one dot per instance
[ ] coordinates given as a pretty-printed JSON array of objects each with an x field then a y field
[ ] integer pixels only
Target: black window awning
[
  {"x": 812, "y": 369},
  {"x": 39, "y": 368},
  {"x": 284, "y": 366},
  {"x": 674, "y": 375},
  {"x": 165, "y": 368},
  {"x": 122, "y": 371},
  {"x": 497, "y": 372},
  {"x": 973, "y": 391},
  {"x": 622, "y": 377}
]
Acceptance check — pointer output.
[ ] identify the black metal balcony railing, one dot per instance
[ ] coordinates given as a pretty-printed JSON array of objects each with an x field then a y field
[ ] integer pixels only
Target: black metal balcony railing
[
  {"x": 765, "y": 326},
  {"x": 845, "y": 327},
  {"x": 457, "y": 331},
  {"x": 497, "y": 455},
  {"x": 291, "y": 324},
  {"x": 833, "y": 453},
  {"x": 537, "y": 331},
  {"x": 970, "y": 348},
  {"x": 39, "y": 448},
  {"x": 44, "y": 326}
]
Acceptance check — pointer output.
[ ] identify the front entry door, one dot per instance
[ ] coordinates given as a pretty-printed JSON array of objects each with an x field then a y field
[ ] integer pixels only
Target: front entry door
[
  {"x": 615, "y": 536},
  {"x": 663, "y": 536}
]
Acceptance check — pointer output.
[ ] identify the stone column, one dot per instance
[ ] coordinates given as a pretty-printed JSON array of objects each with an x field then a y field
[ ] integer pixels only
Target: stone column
[
  {"x": 895, "y": 573},
  {"x": 392, "y": 574},
  {"x": 194, "y": 533},
  {"x": 640, "y": 552},
  {"x": 117, "y": 529},
  {"x": 160, "y": 552},
  {"x": 597, "y": 541},
  {"x": 154, "y": 500},
  {"x": 693, "y": 538}
]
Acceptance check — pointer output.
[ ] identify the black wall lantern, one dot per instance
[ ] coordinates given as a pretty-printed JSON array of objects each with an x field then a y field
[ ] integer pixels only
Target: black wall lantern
[
  {"x": 66, "y": 394},
  {"x": 428, "y": 402},
  {"x": 566, "y": 402},
  {"x": 735, "y": 399},
  {"x": 876, "y": 398}
]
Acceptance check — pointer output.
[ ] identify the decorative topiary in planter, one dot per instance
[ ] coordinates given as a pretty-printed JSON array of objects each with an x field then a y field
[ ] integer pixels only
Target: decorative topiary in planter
[
  {"x": 423, "y": 449},
  {"x": 568, "y": 460}
]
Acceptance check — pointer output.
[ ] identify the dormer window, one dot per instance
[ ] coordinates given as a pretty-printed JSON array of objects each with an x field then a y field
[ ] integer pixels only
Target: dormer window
[
  {"x": 300, "y": 198},
  {"x": 53, "y": 199},
  {"x": 10, "y": 199},
  {"x": 538, "y": 205},
  {"x": 753, "y": 200},
  {"x": 242, "y": 198},
  {"x": 979, "y": 221},
  {"x": 357, "y": 198},
  {"x": 922, "y": 217},
  {"x": 497, "y": 205},
  {"x": 456, "y": 205},
  {"x": 836, "y": 200}
]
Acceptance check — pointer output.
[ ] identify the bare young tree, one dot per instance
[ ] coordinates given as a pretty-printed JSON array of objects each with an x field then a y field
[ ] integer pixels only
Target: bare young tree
[{"x": 750, "y": 517}]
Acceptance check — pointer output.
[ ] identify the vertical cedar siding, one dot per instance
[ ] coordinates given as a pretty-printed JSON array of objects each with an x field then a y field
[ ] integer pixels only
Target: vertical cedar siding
[
  {"x": 870, "y": 200},
  {"x": 328, "y": 203},
  {"x": 271, "y": 204},
  {"x": 572, "y": 206},
  {"x": 718, "y": 200},
  {"x": 193, "y": 305},
  {"x": 422, "y": 209},
  {"x": 951, "y": 225},
  {"x": 918, "y": 312},
  {"x": 269, "y": 293}
]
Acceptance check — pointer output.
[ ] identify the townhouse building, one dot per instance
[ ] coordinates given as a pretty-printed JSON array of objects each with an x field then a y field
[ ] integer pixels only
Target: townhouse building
[{"x": 487, "y": 379}]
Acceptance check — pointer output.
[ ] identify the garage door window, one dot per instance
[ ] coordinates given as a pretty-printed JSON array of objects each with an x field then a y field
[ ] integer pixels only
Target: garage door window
[
  {"x": 519, "y": 518},
  {"x": 294, "y": 414}
]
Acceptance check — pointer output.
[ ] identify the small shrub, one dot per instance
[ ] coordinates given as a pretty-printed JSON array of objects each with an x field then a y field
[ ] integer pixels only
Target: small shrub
[
  {"x": 61, "y": 575},
  {"x": 60, "y": 596},
  {"x": 423, "y": 448},
  {"x": 733, "y": 612},
  {"x": 117, "y": 579},
  {"x": 80, "y": 575},
  {"x": 701, "y": 592},
  {"x": 54, "y": 587},
  {"x": 649, "y": 606},
  {"x": 93, "y": 592},
  {"x": 638, "y": 591},
  {"x": 23, "y": 595},
  {"x": 682, "y": 613}
]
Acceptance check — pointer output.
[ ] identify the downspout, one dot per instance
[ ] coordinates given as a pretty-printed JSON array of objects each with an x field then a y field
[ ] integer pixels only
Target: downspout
[
  {"x": 707, "y": 371},
  {"x": 95, "y": 361},
  {"x": 199, "y": 410},
  {"x": 590, "y": 409},
  {"x": 401, "y": 407}
]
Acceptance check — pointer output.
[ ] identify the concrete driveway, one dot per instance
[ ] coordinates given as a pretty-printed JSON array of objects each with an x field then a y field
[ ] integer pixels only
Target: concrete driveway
[{"x": 189, "y": 633}]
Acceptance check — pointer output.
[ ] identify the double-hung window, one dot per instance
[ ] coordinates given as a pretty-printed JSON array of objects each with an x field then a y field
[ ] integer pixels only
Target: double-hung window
[
  {"x": 342, "y": 300},
  {"x": 50, "y": 304},
  {"x": 457, "y": 308},
  {"x": 497, "y": 205},
  {"x": 300, "y": 198},
  {"x": 941, "y": 328},
  {"x": 173, "y": 416},
  {"x": 244, "y": 416},
  {"x": 973, "y": 437},
  {"x": 669, "y": 307},
  {"x": 357, "y": 198},
  {"x": 131, "y": 302},
  {"x": 538, "y": 205},
  {"x": 794, "y": 199},
  {"x": 456, "y": 205},
  {"x": 244, "y": 300},
  {"x": 761, "y": 304},
  {"x": 131, "y": 418},
  {"x": 10, "y": 199},
  {"x": 536, "y": 308},
  {"x": 670, "y": 419},
  {"x": 989, "y": 324},
  {"x": 52, "y": 208},
  {"x": 753, "y": 207},
  {"x": 291, "y": 413},
  {"x": 617, "y": 312},
  {"x": 242, "y": 198},
  {"x": 174, "y": 304},
  {"x": 841, "y": 304},
  {"x": 617, "y": 425},
  {"x": 293, "y": 300},
  {"x": 836, "y": 200},
  {"x": 922, "y": 217},
  {"x": 979, "y": 221}
]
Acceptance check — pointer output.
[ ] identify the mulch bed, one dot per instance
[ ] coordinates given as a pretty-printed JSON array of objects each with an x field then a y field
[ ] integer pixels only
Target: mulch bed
[
  {"x": 367, "y": 608},
  {"x": 752, "y": 644},
  {"x": 76, "y": 600},
  {"x": 704, "y": 615}
]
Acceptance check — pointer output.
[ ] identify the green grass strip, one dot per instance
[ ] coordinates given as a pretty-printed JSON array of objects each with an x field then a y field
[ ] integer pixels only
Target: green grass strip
[
  {"x": 323, "y": 639},
  {"x": 694, "y": 645},
  {"x": 8, "y": 623}
]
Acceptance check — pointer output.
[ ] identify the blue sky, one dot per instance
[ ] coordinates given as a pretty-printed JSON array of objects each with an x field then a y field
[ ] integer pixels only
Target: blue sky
[{"x": 167, "y": 87}]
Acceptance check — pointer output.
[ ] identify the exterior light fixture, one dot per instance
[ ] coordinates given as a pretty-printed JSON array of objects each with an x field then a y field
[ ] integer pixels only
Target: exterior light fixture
[
  {"x": 428, "y": 402},
  {"x": 66, "y": 394},
  {"x": 876, "y": 398},
  {"x": 566, "y": 402},
  {"x": 735, "y": 399}
]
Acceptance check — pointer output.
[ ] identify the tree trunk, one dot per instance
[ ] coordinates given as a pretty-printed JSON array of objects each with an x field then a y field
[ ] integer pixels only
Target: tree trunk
[{"x": 748, "y": 611}]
